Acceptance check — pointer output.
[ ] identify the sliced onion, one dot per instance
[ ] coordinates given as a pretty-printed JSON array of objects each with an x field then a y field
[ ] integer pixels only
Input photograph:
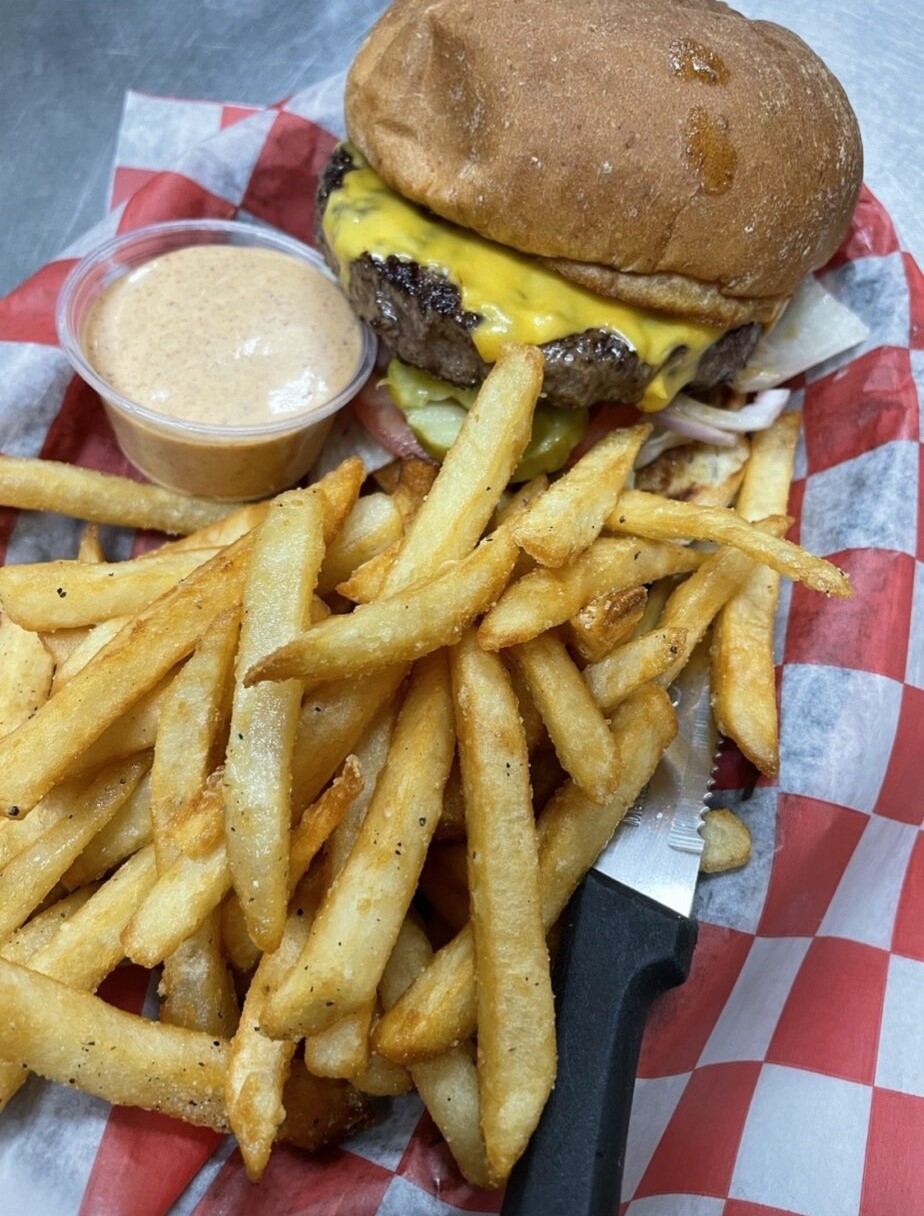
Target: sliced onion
[
  {"x": 757, "y": 415},
  {"x": 814, "y": 327},
  {"x": 656, "y": 445},
  {"x": 675, "y": 418}
]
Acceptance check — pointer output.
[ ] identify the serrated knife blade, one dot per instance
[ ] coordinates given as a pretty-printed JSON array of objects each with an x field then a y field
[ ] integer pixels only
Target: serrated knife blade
[
  {"x": 656, "y": 849},
  {"x": 627, "y": 937}
]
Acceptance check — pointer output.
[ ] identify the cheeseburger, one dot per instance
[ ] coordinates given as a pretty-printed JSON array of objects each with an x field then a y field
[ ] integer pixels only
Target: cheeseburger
[{"x": 635, "y": 186}]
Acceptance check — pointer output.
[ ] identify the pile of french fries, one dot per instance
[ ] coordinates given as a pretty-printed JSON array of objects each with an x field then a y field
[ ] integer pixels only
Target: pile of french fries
[{"x": 336, "y": 762}]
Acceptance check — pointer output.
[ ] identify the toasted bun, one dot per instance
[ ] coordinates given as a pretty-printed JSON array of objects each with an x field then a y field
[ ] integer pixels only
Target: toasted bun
[{"x": 666, "y": 152}]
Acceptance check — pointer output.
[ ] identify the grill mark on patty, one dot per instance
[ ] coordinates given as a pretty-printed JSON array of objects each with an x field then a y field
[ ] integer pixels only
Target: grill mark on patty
[{"x": 418, "y": 314}]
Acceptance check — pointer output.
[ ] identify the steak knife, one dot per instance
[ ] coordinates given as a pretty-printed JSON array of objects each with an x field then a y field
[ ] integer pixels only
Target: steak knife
[{"x": 628, "y": 935}]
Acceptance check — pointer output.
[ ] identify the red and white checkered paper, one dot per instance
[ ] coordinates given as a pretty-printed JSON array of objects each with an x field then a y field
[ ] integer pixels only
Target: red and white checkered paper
[{"x": 787, "y": 1075}]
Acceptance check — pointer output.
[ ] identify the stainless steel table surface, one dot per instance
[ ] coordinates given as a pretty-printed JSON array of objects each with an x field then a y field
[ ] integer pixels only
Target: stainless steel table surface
[{"x": 66, "y": 64}]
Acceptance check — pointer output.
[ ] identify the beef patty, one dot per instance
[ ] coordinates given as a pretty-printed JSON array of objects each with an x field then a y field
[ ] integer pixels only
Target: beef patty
[{"x": 418, "y": 314}]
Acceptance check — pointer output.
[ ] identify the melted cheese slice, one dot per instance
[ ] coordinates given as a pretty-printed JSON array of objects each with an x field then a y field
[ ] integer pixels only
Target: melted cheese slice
[{"x": 517, "y": 297}]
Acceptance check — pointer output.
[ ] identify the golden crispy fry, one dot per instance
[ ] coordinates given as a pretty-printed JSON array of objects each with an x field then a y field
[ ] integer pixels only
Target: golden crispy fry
[
  {"x": 579, "y": 732},
  {"x": 66, "y": 595},
  {"x": 414, "y": 483},
  {"x": 452, "y": 816},
  {"x": 546, "y": 598},
  {"x": 634, "y": 663},
  {"x": 20, "y": 946},
  {"x": 743, "y": 678},
  {"x": 342, "y": 1050},
  {"x": 90, "y": 549},
  {"x": 373, "y": 525},
  {"x": 366, "y": 582},
  {"x": 605, "y": 622},
  {"x": 322, "y": 819},
  {"x": 132, "y": 732},
  {"x": 18, "y": 834},
  {"x": 727, "y": 842},
  {"x": 26, "y": 669},
  {"x": 338, "y": 490},
  {"x": 332, "y": 722},
  {"x": 692, "y": 605},
  {"x": 405, "y": 626},
  {"x": 343, "y": 959},
  {"x": 102, "y": 498},
  {"x": 38, "y": 754},
  {"x": 513, "y": 505},
  {"x": 563, "y": 522},
  {"x": 126, "y": 832},
  {"x": 33, "y": 873},
  {"x": 97, "y": 636},
  {"x": 242, "y": 954},
  {"x": 77, "y": 1039},
  {"x": 516, "y": 1021},
  {"x": 258, "y": 1066},
  {"x": 662, "y": 518},
  {"x": 475, "y": 472},
  {"x": 448, "y": 1085},
  {"x": 287, "y": 553},
  {"x": 62, "y": 642},
  {"x": 193, "y": 715},
  {"x": 196, "y": 988},
  {"x": 383, "y": 1078},
  {"x": 371, "y": 755},
  {"x": 438, "y": 1011}
]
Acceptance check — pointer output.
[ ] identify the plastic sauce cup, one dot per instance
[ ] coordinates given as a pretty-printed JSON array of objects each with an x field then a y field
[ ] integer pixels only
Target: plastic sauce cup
[{"x": 226, "y": 462}]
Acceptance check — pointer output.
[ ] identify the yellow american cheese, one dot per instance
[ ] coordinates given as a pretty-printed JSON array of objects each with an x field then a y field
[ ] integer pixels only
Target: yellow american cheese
[{"x": 518, "y": 298}]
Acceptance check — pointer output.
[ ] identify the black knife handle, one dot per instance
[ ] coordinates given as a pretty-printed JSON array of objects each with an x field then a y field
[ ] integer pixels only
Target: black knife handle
[{"x": 619, "y": 950}]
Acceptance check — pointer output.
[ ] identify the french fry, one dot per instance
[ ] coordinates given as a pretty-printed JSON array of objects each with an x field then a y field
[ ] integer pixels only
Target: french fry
[
  {"x": 342, "y": 1050},
  {"x": 414, "y": 483},
  {"x": 579, "y": 732},
  {"x": 634, "y": 663},
  {"x": 605, "y": 622},
  {"x": 371, "y": 755},
  {"x": 692, "y": 606},
  {"x": 241, "y": 953},
  {"x": 26, "y": 941},
  {"x": 323, "y": 818},
  {"x": 367, "y": 582},
  {"x": 97, "y": 636},
  {"x": 193, "y": 713},
  {"x": 332, "y": 721},
  {"x": 68, "y": 594},
  {"x": 102, "y": 498},
  {"x": 26, "y": 669},
  {"x": 287, "y": 554},
  {"x": 743, "y": 680},
  {"x": 89, "y": 548},
  {"x": 132, "y": 732},
  {"x": 29, "y": 876},
  {"x": 374, "y": 523},
  {"x": 194, "y": 883},
  {"x": 452, "y": 817},
  {"x": 449, "y": 1084},
  {"x": 77, "y": 1039},
  {"x": 476, "y": 470},
  {"x": 343, "y": 959},
  {"x": 402, "y": 627},
  {"x": 543, "y": 599},
  {"x": 563, "y": 522},
  {"x": 18, "y": 834},
  {"x": 514, "y": 991},
  {"x": 258, "y": 1066},
  {"x": 383, "y": 1078},
  {"x": 438, "y": 1011},
  {"x": 126, "y": 832},
  {"x": 38, "y": 754},
  {"x": 727, "y": 842},
  {"x": 84, "y": 945},
  {"x": 664, "y": 519},
  {"x": 196, "y": 988}
]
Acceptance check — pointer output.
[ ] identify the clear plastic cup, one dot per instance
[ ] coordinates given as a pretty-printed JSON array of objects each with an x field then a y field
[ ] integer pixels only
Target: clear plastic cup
[{"x": 227, "y": 462}]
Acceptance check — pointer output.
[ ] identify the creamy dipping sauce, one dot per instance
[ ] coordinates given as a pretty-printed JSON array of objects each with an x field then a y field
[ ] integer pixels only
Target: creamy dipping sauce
[{"x": 224, "y": 335}]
